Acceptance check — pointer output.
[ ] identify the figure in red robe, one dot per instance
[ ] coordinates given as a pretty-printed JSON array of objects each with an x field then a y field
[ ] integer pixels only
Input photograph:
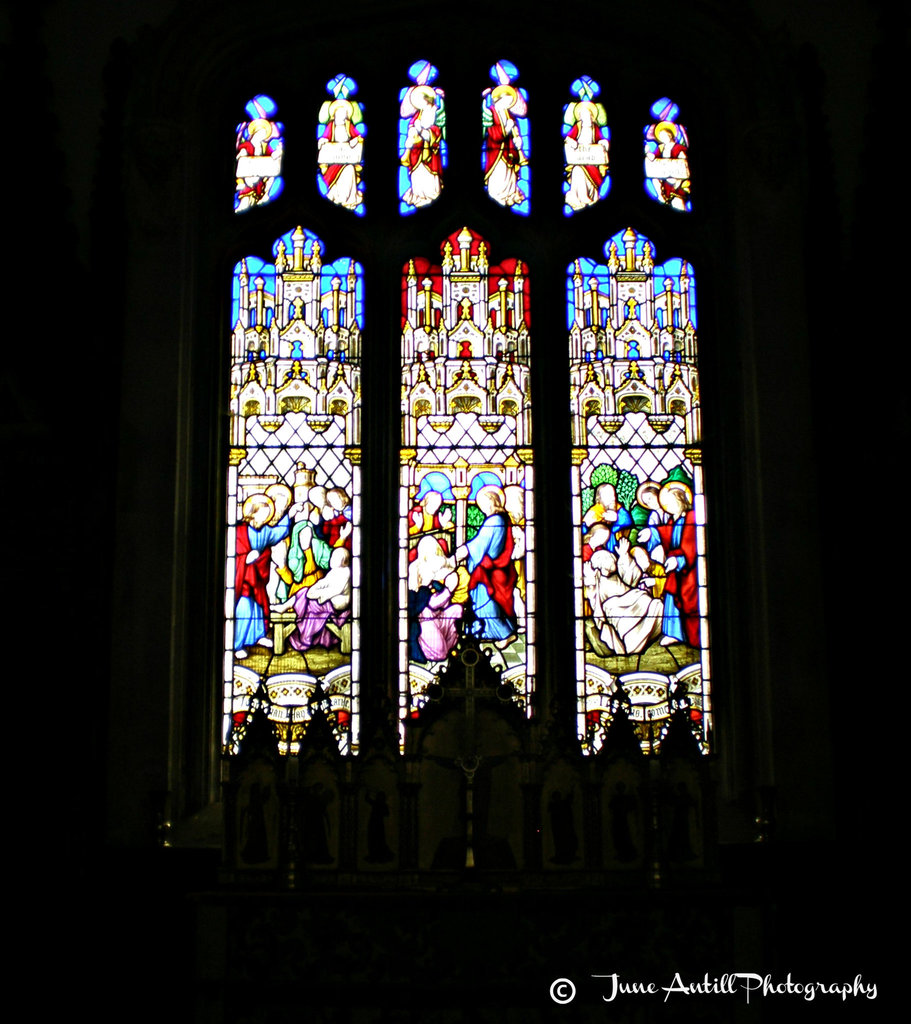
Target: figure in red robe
[
  {"x": 254, "y": 538},
  {"x": 673, "y": 189},
  {"x": 335, "y": 527},
  {"x": 261, "y": 140},
  {"x": 678, "y": 540},
  {"x": 426, "y": 518},
  {"x": 493, "y": 578},
  {"x": 503, "y": 150}
]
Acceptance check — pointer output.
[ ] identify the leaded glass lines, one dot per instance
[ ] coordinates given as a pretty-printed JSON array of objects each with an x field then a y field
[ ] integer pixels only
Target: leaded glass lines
[
  {"x": 292, "y": 635},
  {"x": 466, "y": 527},
  {"x": 641, "y": 602}
]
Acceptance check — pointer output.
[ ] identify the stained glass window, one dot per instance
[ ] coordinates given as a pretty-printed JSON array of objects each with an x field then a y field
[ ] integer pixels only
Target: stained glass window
[
  {"x": 637, "y": 490},
  {"x": 422, "y": 139},
  {"x": 586, "y": 139},
  {"x": 667, "y": 169},
  {"x": 293, "y": 501},
  {"x": 507, "y": 142},
  {"x": 340, "y": 146},
  {"x": 259, "y": 148},
  {"x": 466, "y": 572},
  {"x": 466, "y": 562}
]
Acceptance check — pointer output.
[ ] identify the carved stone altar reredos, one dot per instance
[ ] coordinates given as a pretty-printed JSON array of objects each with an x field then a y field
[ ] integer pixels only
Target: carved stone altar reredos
[{"x": 482, "y": 791}]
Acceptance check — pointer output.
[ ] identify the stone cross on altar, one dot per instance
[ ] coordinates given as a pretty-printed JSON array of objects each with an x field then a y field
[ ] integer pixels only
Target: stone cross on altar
[{"x": 468, "y": 690}]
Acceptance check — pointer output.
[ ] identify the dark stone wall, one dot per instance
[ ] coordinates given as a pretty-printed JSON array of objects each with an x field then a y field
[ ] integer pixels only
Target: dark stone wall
[{"x": 114, "y": 431}]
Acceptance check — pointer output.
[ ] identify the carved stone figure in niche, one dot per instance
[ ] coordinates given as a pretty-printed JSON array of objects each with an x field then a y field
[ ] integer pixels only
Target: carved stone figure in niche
[
  {"x": 563, "y": 828},
  {"x": 253, "y": 831},
  {"x": 314, "y": 817},
  {"x": 623, "y": 806},
  {"x": 378, "y": 851},
  {"x": 684, "y": 810}
]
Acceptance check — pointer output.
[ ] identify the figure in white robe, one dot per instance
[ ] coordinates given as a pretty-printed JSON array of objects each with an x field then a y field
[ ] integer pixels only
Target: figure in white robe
[
  {"x": 504, "y": 154},
  {"x": 585, "y": 178},
  {"x": 342, "y": 179},
  {"x": 669, "y": 154},
  {"x": 422, "y": 156},
  {"x": 626, "y": 614}
]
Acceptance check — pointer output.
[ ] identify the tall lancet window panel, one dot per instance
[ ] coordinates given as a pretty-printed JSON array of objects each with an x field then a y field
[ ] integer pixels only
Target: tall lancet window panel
[
  {"x": 667, "y": 165},
  {"x": 340, "y": 146},
  {"x": 259, "y": 148},
  {"x": 467, "y": 541},
  {"x": 293, "y": 504},
  {"x": 641, "y": 601},
  {"x": 422, "y": 139},
  {"x": 586, "y": 139},
  {"x": 507, "y": 139}
]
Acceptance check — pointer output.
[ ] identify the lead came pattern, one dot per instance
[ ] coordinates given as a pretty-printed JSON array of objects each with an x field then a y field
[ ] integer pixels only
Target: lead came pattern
[
  {"x": 466, "y": 564},
  {"x": 638, "y": 503},
  {"x": 293, "y": 501}
]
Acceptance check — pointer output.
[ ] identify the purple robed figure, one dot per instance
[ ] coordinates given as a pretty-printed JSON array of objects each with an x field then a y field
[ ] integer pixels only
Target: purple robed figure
[{"x": 328, "y": 601}]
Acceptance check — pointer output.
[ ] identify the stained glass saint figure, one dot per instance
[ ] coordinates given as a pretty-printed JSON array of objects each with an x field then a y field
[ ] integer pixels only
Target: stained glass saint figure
[
  {"x": 585, "y": 145},
  {"x": 340, "y": 146},
  {"x": 667, "y": 169},
  {"x": 422, "y": 139},
  {"x": 259, "y": 147},
  {"x": 507, "y": 144},
  {"x": 641, "y": 601}
]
